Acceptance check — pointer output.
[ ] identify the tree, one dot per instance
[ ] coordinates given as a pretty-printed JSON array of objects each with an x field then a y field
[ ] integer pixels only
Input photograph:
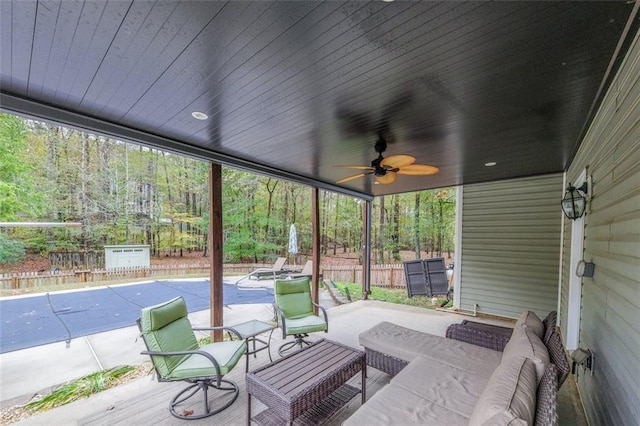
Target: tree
[
  {"x": 124, "y": 193},
  {"x": 416, "y": 225},
  {"x": 10, "y": 250},
  {"x": 395, "y": 236},
  {"x": 15, "y": 180}
]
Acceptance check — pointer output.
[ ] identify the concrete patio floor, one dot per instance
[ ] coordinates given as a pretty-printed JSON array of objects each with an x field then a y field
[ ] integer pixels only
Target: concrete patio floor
[{"x": 145, "y": 401}]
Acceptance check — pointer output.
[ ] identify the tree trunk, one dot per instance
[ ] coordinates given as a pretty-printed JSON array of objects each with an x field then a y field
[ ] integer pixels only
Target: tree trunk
[
  {"x": 395, "y": 249},
  {"x": 381, "y": 233},
  {"x": 335, "y": 225},
  {"x": 325, "y": 222},
  {"x": 416, "y": 225},
  {"x": 270, "y": 191},
  {"x": 83, "y": 194},
  {"x": 440, "y": 228}
]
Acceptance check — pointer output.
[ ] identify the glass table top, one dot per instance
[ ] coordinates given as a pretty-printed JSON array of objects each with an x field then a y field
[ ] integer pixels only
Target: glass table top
[{"x": 252, "y": 328}]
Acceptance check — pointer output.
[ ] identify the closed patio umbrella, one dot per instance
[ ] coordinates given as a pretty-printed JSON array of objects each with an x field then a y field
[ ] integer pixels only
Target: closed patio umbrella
[{"x": 293, "y": 242}]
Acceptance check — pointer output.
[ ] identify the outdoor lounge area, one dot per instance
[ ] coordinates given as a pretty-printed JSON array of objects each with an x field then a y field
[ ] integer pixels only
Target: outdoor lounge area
[
  {"x": 145, "y": 401},
  {"x": 530, "y": 110}
]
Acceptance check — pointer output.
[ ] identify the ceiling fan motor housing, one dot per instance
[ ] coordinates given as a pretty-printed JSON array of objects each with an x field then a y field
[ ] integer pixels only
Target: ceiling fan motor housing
[{"x": 379, "y": 170}]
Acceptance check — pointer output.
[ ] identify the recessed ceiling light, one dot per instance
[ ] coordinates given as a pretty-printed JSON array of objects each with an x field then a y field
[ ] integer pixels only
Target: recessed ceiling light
[
  {"x": 388, "y": 1},
  {"x": 490, "y": 164},
  {"x": 199, "y": 115}
]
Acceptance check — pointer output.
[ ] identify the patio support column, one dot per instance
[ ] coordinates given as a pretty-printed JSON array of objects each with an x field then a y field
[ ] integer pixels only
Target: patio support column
[
  {"x": 215, "y": 249},
  {"x": 315, "y": 230},
  {"x": 366, "y": 249}
]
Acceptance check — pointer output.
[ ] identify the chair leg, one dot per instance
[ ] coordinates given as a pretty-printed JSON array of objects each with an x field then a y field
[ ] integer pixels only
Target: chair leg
[
  {"x": 205, "y": 389},
  {"x": 202, "y": 385},
  {"x": 299, "y": 341}
]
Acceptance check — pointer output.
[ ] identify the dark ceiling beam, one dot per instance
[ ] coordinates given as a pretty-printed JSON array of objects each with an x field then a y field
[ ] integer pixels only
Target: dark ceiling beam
[{"x": 34, "y": 110}]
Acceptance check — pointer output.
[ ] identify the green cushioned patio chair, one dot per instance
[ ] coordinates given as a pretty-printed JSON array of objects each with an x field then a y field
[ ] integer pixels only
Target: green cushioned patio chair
[
  {"x": 294, "y": 310},
  {"x": 176, "y": 356}
]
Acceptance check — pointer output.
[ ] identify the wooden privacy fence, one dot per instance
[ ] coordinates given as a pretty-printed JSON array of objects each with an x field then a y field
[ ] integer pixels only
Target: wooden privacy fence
[
  {"x": 391, "y": 275},
  {"x": 59, "y": 278},
  {"x": 381, "y": 275}
]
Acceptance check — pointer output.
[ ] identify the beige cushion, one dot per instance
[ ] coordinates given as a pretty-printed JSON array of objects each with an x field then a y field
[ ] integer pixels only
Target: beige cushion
[
  {"x": 510, "y": 395},
  {"x": 396, "y": 406},
  {"x": 504, "y": 419},
  {"x": 408, "y": 344},
  {"x": 524, "y": 342},
  {"x": 531, "y": 320},
  {"x": 452, "y": 388}
]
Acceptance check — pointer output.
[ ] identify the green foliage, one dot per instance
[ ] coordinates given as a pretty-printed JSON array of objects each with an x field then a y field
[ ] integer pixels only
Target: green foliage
[
  {"x": 10, "y": 250},
  {"x": 391, "y": 295},
  {"x": 14, "y": 188},
  {"x": 123, "y": 193},
  {"x": 81, "y": 388}
]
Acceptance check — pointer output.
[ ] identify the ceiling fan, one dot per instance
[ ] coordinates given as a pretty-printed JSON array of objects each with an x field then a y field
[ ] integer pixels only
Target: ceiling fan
[{"x": 386, "y": 170}]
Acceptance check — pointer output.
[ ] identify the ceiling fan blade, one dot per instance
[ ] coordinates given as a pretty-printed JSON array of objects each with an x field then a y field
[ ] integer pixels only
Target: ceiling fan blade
[
  {"x": 356, "y": 167},
  {"x": 352, "y": 177},
  {"x": 390, "y": 177},
  {"x": 418, "y": 169},
  {"x": 395, "y": 161}
]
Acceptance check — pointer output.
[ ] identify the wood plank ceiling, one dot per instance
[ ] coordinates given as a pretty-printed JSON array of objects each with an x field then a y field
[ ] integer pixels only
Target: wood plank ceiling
[{"x": 296, "y": 87}]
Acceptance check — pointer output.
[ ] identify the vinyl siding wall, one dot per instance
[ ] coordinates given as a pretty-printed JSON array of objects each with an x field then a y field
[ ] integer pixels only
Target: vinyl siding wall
[
  {"x": 610, "y": 311},
  {"x": 511, "y": 246}
]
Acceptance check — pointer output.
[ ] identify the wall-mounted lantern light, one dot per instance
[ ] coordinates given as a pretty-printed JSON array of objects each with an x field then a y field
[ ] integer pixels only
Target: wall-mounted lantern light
[{"x": 575, "y": 201}]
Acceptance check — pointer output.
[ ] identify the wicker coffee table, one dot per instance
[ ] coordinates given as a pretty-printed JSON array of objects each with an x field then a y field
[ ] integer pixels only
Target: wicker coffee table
[{"x": 307, "y": 386}]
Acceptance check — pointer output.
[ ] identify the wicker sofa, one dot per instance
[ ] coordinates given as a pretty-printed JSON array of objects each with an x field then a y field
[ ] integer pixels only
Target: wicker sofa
[
  {"x": 440, "y": 380},
  {"x": 494, "y": 336}
]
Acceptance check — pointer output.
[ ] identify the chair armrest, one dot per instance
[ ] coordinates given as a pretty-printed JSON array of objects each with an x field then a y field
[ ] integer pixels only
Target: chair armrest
[
  {"x": 477, "y": 337},
  {"x": 224, "y": 328},
  {"x": 281, "y": 320},
  {"x": 183, "y": 353},
  {"x": 324, "y": 312}
]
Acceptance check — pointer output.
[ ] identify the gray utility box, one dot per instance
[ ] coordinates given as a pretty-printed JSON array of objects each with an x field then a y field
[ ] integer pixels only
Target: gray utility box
[{"x": 126, "y": 256}]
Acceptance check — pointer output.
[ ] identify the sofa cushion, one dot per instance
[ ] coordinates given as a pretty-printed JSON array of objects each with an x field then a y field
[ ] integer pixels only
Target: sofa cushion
[
  {"x": 510, "y": 395},
  {"x": 407, "y": 344},
  {"x": 504, "y": 419},
  {"x": 524, "y": 342},
  {"x": 449, "y": 387},
  {"x": 558, "y": 357},
  {"x": 530, "y": 319},
  {"x": 547, "y": 398},
  {"x": 549, "y": 323},
  {"x": 393, "y": 405}
]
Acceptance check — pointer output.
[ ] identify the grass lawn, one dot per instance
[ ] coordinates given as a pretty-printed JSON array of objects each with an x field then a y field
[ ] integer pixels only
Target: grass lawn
[{"x": 391, "y": 295}]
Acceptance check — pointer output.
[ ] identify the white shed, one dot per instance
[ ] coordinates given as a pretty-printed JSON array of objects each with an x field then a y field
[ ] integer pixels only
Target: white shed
[{"x": 126, "y": 256}]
